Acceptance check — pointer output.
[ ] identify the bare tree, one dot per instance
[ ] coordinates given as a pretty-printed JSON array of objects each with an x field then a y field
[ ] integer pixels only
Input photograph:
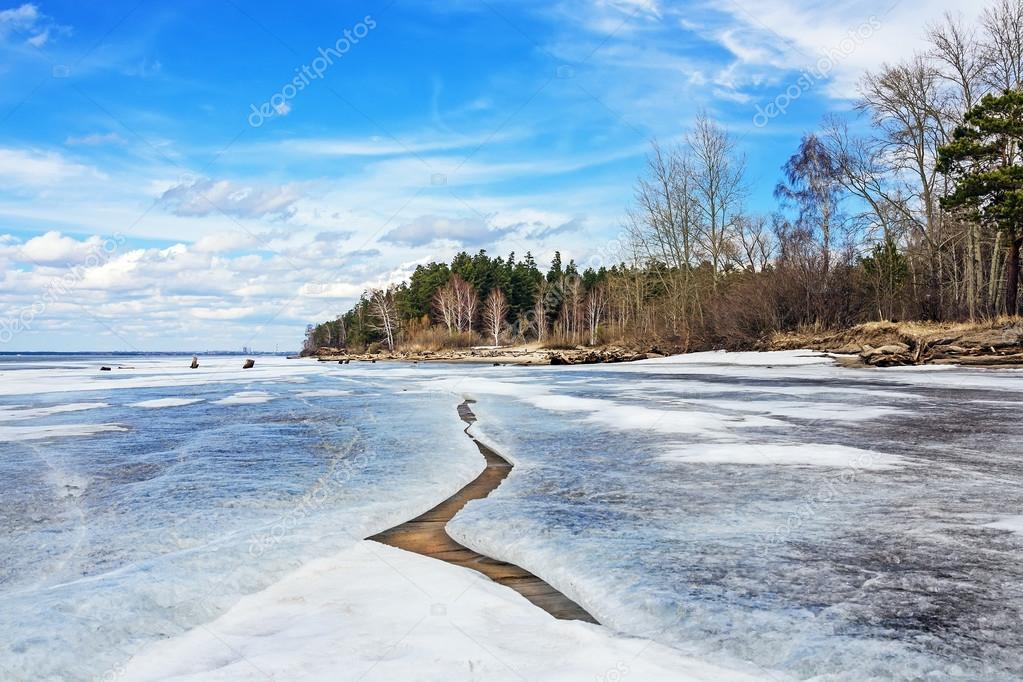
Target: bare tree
[
  {"x": 960, "y": 60},
  {"x": 445, "y": 306},
  {"x": 663, "y": 228},
  {"x": 596, "y": 305},
  {"x": 905, "y": 105},
  {"x": 384, "y": 315},
  {"x": 718, "y": 187},
  {"x": 754, "y": 241},
  {"x": 466, "y": 303},
  {"x": 539, "y": 312},
  {"x": 572, "y": 306},
  {"x": 1003, "y": 44},
  {"x": 495, "y": 314},
  {"x": 895, "y": 168},
  {"x": 342, "y": 331},
  {"x": 812, "y": 185}
]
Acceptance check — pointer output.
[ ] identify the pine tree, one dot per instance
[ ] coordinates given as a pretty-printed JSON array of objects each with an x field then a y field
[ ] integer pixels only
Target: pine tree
[{"x": 984, "y": 160}]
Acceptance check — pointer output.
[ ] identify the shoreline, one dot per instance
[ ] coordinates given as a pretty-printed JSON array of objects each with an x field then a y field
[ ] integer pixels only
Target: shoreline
[
  {"x": 994, "y": 344},
  {"x": 504, "y": 355},
  {"x": 426, "y": 535}
]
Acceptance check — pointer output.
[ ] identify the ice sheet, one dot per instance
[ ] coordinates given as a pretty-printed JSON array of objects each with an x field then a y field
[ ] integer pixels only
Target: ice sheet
[
  {"x": 818, "y": 521},
  {"x": 378, "y": 613},
  {"x": 166, "y": 402},
  {"x": 15, "y": 434},
  {"x": 20, "y": 413},
  {"x": 246, "y": 398},
  {"x": 85, "y": 375},
  {"x": 789, "y": 358},
  {"x": 323, "y": 393},
  {"x": 162, "y": 519},
  {"x": 1013, "y": 524},
  {"x": 891, "y": 565},
  {"x": 791, "y": 454}
]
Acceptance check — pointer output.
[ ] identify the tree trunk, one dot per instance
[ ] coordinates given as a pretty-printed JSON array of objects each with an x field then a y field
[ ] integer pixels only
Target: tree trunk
[
  {"x": 992, "y": 287},
  {"x": 1012, "y": 275}
]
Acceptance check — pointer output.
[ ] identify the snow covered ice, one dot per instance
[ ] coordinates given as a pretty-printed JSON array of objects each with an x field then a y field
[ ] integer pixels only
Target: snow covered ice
[
  {"x": 816, "y": 521},
  {"x": 766, "y": 515}
]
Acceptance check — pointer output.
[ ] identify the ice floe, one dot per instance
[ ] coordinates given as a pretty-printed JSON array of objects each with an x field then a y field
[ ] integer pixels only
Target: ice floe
[
  {"x": 245, "y": 398},
  {"x": 18, "y": 413},
  {"x": 789, "y": 454},
  {"x": 27, "y": 433},
  {"x": 166, "y": 402}
]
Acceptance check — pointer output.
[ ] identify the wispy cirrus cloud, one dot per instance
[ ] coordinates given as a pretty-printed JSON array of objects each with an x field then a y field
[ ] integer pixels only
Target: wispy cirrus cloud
[
  {"x": 34, "y": 167},
  {"x": 94, "y": 140},
  {"x": 203, "y": 197}
]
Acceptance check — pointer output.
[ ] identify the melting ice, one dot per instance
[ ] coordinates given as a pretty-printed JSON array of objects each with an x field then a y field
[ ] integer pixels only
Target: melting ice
[{"x": 770, "y": 514}]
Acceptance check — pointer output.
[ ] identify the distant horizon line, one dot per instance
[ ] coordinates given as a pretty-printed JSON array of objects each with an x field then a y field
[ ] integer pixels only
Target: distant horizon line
[{"x": 143, "y": 352}]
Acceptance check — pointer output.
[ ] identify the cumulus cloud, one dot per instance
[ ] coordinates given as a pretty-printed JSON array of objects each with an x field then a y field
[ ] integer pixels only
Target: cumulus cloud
[
  {"x": 27, "y": 22},
  {"x": 223, "y": 241},
  {"x": 205, "y": 197},
  {"x": 22, "y": 18},
  {"x": 53, "y": 248},
  {"x": 145, "y": 296},
  {"x": 332, "y": 290}
]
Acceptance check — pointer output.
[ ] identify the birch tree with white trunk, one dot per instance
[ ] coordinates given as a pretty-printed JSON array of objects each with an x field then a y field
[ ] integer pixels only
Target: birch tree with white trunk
[{"x": 495, "y": 315}]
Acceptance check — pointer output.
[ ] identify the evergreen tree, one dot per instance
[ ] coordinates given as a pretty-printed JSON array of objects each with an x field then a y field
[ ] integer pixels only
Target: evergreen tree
[
  {"x": 414, "y": 301},
  {"x": 984, "y": 160},
  {"x": 555, "y": 274}
]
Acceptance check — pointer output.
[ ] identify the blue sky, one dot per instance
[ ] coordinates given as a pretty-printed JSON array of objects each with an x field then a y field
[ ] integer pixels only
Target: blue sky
[{"x": 144, "y": 206}]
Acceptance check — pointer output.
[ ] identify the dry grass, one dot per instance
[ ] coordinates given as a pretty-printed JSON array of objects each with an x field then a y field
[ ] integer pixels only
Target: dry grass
[
  {"x": 437, "y": 339},
  {"x": 560, "y": 342},
  {"x": 883, "y": 333}
]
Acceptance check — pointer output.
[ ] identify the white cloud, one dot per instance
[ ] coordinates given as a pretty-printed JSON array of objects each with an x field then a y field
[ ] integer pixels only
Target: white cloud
[
  {"x": 27, "y": 20},
  {"x": 19, "y": 18},
  {"x": 54, "y": 248},
  {"x": 31, "y": 167},
  {"x": 209, "y": 197},
  {"x": 427, "y": 229},
  {"x": 94, "y": 139},
  {"x": 378, "y": 146},
  {"x": 332, "y": 290},
  {"x": 793, "y": 34},
  {"x": 39, "y": 39},
  {"x": 542, "y": 231}
]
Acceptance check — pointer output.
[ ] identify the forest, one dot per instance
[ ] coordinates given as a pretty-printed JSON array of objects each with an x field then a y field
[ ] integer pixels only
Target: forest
[{"x": 907, "y": 209}]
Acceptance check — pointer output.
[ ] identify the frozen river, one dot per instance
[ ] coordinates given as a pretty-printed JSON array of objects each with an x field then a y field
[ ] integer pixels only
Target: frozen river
[
  {"x": 811, "y": 519},
  {"x": 769, "y": 513}
]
